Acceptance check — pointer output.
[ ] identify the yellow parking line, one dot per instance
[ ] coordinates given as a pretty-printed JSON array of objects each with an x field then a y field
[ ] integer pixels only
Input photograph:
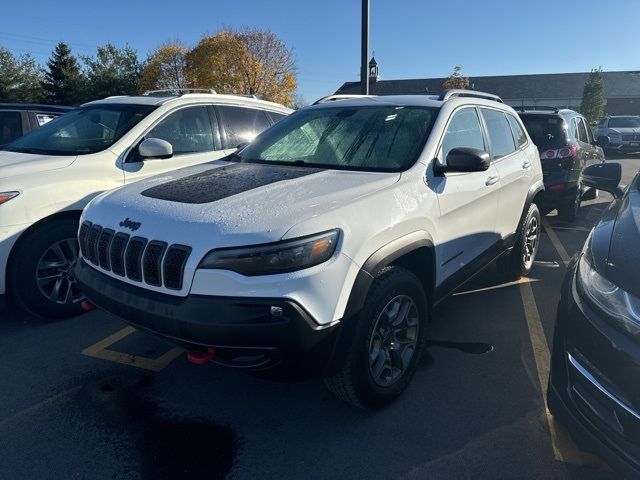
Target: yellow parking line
[
  {"x": 556, "y": 242},
  {"x": 100, "y": 350},
  {"x": 564, "y": 448}
]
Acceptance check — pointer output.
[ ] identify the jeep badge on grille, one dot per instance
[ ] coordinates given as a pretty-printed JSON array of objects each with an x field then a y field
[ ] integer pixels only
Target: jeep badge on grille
[{"x": 130, "y": 224}]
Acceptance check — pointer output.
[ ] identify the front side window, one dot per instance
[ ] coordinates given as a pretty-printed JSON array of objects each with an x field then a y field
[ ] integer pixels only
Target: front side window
[
  {"x": 518, "y": 132},
  {"x": 376, "y": 138},
  {"x": 242, "y": 124},
  {"x": 10, "y": 126},
  {"x": 582, "y": 131},
  {"x": 43, "y": 118},
  {"x": 82, "y": 131},
  {"x": 499, "y": 133},
  {"x": 463, "y": 131},
  {"x": 188, "y": 130}
]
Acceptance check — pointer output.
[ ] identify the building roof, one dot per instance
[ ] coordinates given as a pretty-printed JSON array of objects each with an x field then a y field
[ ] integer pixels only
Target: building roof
[{"x": 543, "y": 86}]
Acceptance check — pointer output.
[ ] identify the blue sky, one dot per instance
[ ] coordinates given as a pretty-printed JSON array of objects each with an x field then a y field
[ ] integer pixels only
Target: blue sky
[{"x": 411, "y": 38}]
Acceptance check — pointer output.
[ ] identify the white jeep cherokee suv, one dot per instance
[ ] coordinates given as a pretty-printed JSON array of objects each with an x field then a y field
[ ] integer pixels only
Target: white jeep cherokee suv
[
  {"x": 322, "y": 246},
  {"x": 48, "y": 176}
]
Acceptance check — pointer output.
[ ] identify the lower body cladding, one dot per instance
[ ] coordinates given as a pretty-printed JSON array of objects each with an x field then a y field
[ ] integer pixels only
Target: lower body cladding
[
  {"x": 593, "y": 388},
  {"x": 255, "y": 334}
]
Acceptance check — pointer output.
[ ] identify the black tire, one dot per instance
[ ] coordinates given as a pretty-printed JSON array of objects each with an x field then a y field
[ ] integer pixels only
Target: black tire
[
  {"x": 569, "y": 209},
  {"x": 519, "y": 262},
  {"x": 355, "y": 382},
  {"x": 22, "y": 274}
]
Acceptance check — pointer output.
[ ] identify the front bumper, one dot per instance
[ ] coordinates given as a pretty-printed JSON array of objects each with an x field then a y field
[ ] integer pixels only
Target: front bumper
[
  {"x": 252, "y": 333},
  {"x": 8, "y": 237},
  {"x": 625, "y": 146},
  {"x": 593, "y": 386}
]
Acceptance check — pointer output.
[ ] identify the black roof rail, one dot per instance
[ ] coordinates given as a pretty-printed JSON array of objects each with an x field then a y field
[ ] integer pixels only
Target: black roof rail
[
  {"x": 177, "y": 91},
  {"x": 333, "y": 98},
  {"x": 524, "y": 108},
  {"x": 453, "y": 92}
]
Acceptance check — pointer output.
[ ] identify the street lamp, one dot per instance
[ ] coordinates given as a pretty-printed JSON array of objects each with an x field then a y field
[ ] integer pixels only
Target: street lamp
[{"x": 364, "y": 56}]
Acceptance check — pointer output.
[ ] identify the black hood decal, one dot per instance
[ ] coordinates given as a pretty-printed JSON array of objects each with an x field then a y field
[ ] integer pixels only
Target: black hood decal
[{"x": 223, "y": 182}]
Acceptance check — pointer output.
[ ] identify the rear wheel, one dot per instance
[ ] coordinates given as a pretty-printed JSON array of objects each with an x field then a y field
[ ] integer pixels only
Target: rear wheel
[
  {"x": 388, "y": 342},
  {"x": 569, "y": 209},
  {"x": 519, "y": 261},
  {"x": 41, "y": 277}
]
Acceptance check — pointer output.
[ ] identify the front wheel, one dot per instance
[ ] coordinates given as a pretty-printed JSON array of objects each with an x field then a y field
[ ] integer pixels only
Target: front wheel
[
  {"x": 40, "y": 274},
  {"x": 387, "y": 344},
  {"x": 519, "y": 261}
]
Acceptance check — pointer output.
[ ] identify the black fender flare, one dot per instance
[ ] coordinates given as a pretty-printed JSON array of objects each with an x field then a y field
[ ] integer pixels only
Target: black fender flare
[
  {"x": 380, "y": 259},
  {"x": 534, "y": 190}
]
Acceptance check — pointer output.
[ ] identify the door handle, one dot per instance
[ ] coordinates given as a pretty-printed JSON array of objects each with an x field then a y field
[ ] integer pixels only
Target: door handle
[
  {"x": 526, "y": 164},
  {"x": 493, "y": 179}
]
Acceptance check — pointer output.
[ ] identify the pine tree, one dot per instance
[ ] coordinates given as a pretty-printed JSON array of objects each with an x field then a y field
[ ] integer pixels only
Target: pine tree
[
  {"x": 63, "y": 81},
  {"x": 592, "y": 105},
  {"x": 456, "y": 79},
  {"x": 113, "y": 71},
  {"x": 19, "y": 78}
]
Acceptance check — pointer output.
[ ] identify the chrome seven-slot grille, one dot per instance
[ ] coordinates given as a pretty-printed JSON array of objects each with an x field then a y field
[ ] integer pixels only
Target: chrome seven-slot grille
[
  {"x": 136, "y": 258},
  {"x": 630, "y": 137}
]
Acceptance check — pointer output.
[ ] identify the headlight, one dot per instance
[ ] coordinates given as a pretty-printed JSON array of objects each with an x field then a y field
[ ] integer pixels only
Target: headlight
[
  {"x": 280, "y": 257},
  {"x": 608, "y": 297},
  {"x": 614, "y": 134},
  {"x": 6, "y": 196}
]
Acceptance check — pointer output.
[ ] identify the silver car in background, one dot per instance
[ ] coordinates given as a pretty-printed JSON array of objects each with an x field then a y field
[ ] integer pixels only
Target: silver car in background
[{"x": 623, "y": 132}]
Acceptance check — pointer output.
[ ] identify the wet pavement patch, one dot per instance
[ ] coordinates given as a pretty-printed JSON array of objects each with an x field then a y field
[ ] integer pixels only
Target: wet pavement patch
[
  {"x": 474, "y": 348},
  {"x": 168, "y": 446}
]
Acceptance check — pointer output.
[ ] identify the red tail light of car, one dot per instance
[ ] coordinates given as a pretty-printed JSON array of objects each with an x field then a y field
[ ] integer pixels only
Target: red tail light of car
[{"x": 567, "y": 151}]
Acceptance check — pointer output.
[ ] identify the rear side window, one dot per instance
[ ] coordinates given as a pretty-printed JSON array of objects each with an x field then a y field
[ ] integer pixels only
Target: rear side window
[
  {"x": 242, "y": 124},
  {"x": 546, "y": 131},
  {"x": 463, "y": 131},
  {"x": 518, "y": 132},
  {"x": 499, "y": 132},
  {"x": 10, "y": 126}
]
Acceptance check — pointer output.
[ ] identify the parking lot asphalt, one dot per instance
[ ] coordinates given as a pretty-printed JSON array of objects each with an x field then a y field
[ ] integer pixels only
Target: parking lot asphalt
[{"x": 90, "y": 398}]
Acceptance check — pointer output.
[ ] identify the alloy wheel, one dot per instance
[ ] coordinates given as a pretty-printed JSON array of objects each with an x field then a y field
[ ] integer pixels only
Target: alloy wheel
[
  {"x": 531, "y": 241},
  {"x": 393, "y": 341},
  {"x": 54, "y": 273}
]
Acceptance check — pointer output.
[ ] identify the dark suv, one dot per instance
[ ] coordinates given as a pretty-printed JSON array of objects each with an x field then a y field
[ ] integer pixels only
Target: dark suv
[
  {"x": 16, "y": 119},
  {"x": 567, "y": 145}
]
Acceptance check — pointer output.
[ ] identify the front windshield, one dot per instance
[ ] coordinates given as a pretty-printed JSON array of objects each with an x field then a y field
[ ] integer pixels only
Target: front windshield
[
  {"x": 84, "y": 130},
  {"x": 377, "y": 138},
  {"x": 624, "y": 122}
]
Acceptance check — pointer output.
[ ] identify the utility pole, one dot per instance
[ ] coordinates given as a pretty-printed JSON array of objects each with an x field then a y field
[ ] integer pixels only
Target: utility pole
[{"x": 364, "y": 60}]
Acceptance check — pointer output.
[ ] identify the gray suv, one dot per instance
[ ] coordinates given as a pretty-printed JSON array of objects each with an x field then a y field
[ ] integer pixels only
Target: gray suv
[{"x": 623, "y": 132}]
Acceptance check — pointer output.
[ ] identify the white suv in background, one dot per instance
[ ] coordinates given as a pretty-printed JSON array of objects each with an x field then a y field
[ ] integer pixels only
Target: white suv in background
[
  {"x": 322, "y": 246},
  {"x": 50, "y": 174}
]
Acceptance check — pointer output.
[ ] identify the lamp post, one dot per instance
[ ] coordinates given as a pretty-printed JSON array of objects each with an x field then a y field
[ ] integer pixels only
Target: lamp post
[{"x": 364, "y": 74}]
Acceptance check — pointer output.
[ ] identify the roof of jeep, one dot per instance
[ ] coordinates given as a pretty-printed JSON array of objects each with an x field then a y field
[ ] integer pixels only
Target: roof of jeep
[
  {"x": 403, "y": 100},
  {"x": 397, "y": 100},
  {"x": 194, "y": 97}
]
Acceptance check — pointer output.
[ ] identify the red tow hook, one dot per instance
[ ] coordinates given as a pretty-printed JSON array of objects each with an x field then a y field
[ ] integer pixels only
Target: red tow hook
[
  {"x": 87, "y": 306},
  {"x": 201, "y": 357}
]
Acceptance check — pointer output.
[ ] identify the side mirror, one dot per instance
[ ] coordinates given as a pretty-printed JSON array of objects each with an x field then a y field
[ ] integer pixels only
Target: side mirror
[
  {"x": 603, "y": 176},
  {"x": 463, "y": 159},
  {"x": 603, "y": 141},
  {"x": 155, "y": 148}
]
